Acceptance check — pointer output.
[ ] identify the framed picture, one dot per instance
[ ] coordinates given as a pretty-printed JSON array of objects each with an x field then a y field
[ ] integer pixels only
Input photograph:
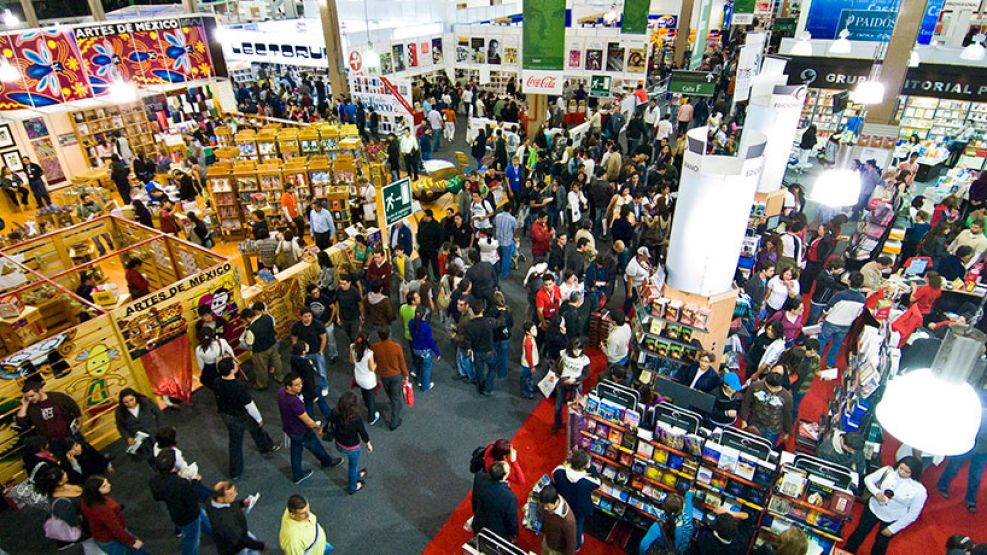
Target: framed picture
[
  {"x": 12, "y": 159},
  {"x": 35, "y": 128},
  {"x": 6, "y": 138}
]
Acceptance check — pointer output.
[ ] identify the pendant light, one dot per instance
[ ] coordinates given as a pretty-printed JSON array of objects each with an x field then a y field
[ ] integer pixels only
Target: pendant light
[
  {"x": 913, "y": 59},
  {"x": 371, "y": 58},
  {"x": 935, "y": 410},
  {"x": 804, "y": 45},
  {"x": 610, "y": 16},
  {"x": 10, "y": 19},
  {"x": 975, "y": 51},
  {"x": 836, "y": 188},
  {"x": 121, "y": 91},
  {"x": 842, "y": 44}
]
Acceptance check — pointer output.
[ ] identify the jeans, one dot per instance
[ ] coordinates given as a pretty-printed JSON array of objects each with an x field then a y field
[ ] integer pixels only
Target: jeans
[
  {"x": 598, "y": 228},
  {"x": 423, "y": 360},
  {"x": 501, "y": 350},
  {"x": 353, "y": 465},
  {"x": 392, "y": 386},
  {"x": 411, "y": 166},
  {"x": 436, "y": 139},
  {"x": 975, "y": 473},
  {"x": 464, "y": 365},
  {"x": 317, "y": 401},
  {"x": 352, "y": 329},
  {"x": 320, "y": 365},
  {"x": 770, "y": 436},
  {"x": 116, "y": 548},
  {"x": 332, "y": 351},
  {"x": 815, "y": 309},
  {"x": 835, "y": 333},
  {"x": 192, "y": 531},
  {"x": 395, "y": 175},
  {"x": 562, "y": 394},
  {"x": 867, "y": 523},
  {"x": 527, "y": 383},
  {"x": 506, "y": 259},
  {"x": 485, "y": 370},
  {"x": 40, "y": 195},
  {"x": 369, "y": 399},
  {"x": 580, "y": 523},
  {"x": 311, "y": 442},
  {"x": 235, "y": 426}
]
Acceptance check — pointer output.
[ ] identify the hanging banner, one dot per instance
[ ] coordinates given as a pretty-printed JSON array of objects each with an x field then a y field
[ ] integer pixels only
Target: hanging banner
[
  {"x": 635, "y": 17},
  {"x": 50, "y": 68},
  {"x": 743, "y": 12},
  {"x": 868, "y": 25},
  {"x": 702, "y": 29},
  {"x": 827, "y": 17},
  {"x": 543, "y": 46},
  {"x": 933, "y": 9}
]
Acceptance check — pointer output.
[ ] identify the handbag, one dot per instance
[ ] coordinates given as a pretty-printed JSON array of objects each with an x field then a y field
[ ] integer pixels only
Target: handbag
[
  {"x": 865, "y": 493},
  {"x": 57, "y": 529},
  {"x": 25, "y": 494},
  {"x": 444, "y": 298},
  {"x": 408, "y": 393}
]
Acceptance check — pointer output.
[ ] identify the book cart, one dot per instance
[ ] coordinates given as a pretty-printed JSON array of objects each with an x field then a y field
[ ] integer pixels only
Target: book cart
[
  {"x": 736, "y": 472},
  {"x": 814, "y": 495}
]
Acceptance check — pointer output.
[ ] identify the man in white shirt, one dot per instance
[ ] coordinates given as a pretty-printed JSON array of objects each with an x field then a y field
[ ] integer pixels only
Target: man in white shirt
[
  {"x": 664, "y": 128},
  {"x": 589, "y": 166},
  {"x": 618, "y": 341},
  {"x": 437, "y": 123},
  {"x": 651, "y": 114},
  {"x": 638, "y": 270},
  {"x": 409, "y": 151},
  {"x": 792, "y": 245},
  {"x": 481, "y": 212}
]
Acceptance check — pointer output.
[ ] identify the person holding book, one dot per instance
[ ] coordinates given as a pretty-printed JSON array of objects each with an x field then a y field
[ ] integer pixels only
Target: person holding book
[{"x": 897, "y": 500}]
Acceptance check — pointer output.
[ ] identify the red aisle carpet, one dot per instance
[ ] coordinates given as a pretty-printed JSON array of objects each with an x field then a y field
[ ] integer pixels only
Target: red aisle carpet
[{"x": 539, "y": 452}]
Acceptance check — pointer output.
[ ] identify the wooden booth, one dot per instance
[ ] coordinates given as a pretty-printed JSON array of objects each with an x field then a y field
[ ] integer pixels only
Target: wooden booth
[{"x": 92, "y": 350}]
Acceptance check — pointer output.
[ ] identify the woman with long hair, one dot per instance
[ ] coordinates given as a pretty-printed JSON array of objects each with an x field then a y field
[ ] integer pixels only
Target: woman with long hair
[
  {"x": 502, "y": 450},
  {"x": 423, "y": 345},
  {"x": 572, "y": 370},
  {"x": 365, "y": 374},
  {"x": 198, "y": 232},
  {"x": 674, "y": 531},
  {"x": 897, "y": 501},
  {"x": 105, "y": 518},
  {"x": 136, "y": 415},
  {"x": 349, "y": 430},
  {"x": 208, "y": 353},
  {"x": 65, "y": 500}
]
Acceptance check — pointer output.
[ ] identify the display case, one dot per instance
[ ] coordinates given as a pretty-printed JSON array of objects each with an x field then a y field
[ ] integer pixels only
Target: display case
[
  {"x": 224, "y": 136},
  {"x": 329, "y": 141},
  {"x": 247, "y": 185},
  {"x": 319, "y": 176},
  {"x": 295, "y": 175},
  {"x": 246, "y": 142},
  {"x": 106, "y": 122},
  {"x": 818, "y": 109},
  {"x": 271, "y": 181},
  {"x": 338, "y": 204},
  {"x": 308, "y": 141}
]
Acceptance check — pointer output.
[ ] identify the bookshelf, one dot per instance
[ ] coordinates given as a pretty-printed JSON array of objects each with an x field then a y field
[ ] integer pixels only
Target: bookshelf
[
  {"x": 222, "y": 189},
  {"x": 812, "y": 494},
  {"x": 818, "y": 109},
  {"x": 94, "y": 124}
]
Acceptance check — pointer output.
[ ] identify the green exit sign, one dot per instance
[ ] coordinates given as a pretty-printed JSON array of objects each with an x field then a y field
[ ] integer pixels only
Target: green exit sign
[{"x": 695, "y": 83}]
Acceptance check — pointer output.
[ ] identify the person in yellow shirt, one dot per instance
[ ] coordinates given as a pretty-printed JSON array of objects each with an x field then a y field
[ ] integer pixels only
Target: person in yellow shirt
[{"x": 301, "y": 533}]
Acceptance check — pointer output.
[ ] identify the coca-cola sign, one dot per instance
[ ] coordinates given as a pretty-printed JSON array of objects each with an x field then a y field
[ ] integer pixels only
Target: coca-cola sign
[{"x": 542, "y": 82}]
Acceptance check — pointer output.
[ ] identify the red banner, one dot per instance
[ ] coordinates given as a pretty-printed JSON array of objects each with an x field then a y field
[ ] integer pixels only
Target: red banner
[{"x": 50, "y": 67}]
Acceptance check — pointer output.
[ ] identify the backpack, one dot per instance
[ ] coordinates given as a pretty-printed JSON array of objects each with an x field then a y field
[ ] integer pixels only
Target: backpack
[
  {"x": 445, "y": 295},
  {"x": 476, "y": 459}
]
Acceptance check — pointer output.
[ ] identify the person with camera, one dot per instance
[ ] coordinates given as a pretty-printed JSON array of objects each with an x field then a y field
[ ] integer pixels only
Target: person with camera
[{"x": 897, "y": 499}]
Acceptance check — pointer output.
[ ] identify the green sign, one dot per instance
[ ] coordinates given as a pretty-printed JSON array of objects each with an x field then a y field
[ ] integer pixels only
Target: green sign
[
  {"x": 743, "y": 12},
  {"x": 396, "y": 198},
  {"x": 692, "y": 83},
  {"x": 635, "y": 19},
  {"x": 702, "y": 29},
  {"x": 599, "y": 86},
  {"x": 785, "y": 25},
  {"x": 544, "y": 34}
]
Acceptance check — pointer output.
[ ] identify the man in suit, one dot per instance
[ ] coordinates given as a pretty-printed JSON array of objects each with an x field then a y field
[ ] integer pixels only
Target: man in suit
[
  {"x": 701, "y": 376},
  {"x": 401, "y": 236},
  {"x": 494, "y": 504}
]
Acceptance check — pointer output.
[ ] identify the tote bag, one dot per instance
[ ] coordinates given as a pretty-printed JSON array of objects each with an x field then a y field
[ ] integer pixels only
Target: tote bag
[{"x": 57, "y": 529}]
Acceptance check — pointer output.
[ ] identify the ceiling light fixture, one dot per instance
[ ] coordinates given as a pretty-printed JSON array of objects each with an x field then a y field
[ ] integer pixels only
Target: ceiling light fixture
[
  {"x": 842, "y": 44},
  {"x": 868, "y": 92},
  {"x": 804, "y": 45},
  {"x": 975, "y": 51},
  {"x": 913, "y": 59},
  {"x": 836, "y": 188},
  {"x": 936, "y": 410},
  {"x": 610, "y": 16},
  {"x": 121, "y": 92},
  {"x": 10, "y": 19}
]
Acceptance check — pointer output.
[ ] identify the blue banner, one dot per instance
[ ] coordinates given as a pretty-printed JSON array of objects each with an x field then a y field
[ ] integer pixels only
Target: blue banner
[
  {"x": 868, "y": 25},
  {"x": 929, "y": 21},
  {"x": 826, "y": 16}
]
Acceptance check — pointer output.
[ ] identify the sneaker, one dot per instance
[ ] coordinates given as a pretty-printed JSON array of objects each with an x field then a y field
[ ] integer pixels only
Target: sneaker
[
  {"x": 277, "y": 447},
  {"x": 376, "y": 418},
  {"x": 325, "y": 392},
  {"x": 333, "y": 462},
  {"x": 363, "y": 473},
  {"x": 972, "y": 507},
  {"x": 359, "y": 486},
  {"x": 305, "y": 477},
  {"x": 430, "y": 386},
  {"x": 943, "y": 493}
]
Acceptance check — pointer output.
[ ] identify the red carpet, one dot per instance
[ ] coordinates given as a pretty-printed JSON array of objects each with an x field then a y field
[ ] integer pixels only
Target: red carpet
[{"x": 539, "y": 452}]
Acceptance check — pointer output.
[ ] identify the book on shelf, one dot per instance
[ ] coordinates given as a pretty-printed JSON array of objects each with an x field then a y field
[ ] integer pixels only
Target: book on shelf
[
  {"x": 729, "y": 457},
  {"x": 793, "y": 482}
]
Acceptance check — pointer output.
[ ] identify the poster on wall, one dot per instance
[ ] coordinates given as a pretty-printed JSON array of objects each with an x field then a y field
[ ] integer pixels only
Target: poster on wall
[
  {"x": 48, "y": 160},
  {"x": 6, "y": 139},
  {"x": 493, "y": 51},
  {"x": 425, "y": 53},
  {"x": 594, "y": 56},
  {"x": 574, "y": 55},
  {"x": 477, "y": 46},
  {"x": 615, "y": 57},
  {"x": 462, "y": 50},
  {"x": 437, "y": 51},
  {"x": 12, "y": 160},
  {"x": 386, "y": 66},
  {"x": 510, "y": 50},
  {"x": 412, "y": 55},
  {"x": 543, "y": 47},
  {"x": 35, "y": 128},
  {"x": 637, "y": 60},
  {"x": 825, "y": 16},
  {"x": 398, "y": 51}
]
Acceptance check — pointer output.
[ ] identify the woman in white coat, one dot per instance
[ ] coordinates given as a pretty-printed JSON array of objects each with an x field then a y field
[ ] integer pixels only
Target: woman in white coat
[{"x": 897, "y": 500}]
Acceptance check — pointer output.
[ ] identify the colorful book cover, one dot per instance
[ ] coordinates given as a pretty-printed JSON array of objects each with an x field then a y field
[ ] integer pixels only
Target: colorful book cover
[{"x": 728, "y": 459}]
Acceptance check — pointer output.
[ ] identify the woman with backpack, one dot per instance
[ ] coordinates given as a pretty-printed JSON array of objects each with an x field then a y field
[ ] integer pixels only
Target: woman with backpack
[
  {"x": 673, "y": 533},
  {"x": 288, "y": 252},
  {"x": 208, "y": 353}
]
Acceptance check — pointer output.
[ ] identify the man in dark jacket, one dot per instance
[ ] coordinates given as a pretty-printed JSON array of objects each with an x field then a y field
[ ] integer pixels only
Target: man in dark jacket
[
  {"x": 181, "y": 501},
  {"x": 394, "y": 156},
  {"x": 483, "y": 277},
  {"x": 430, "y": 241},
  {"x": 494, "y": 504},
  {"x": 478, "y": 341},
  {"x": 229, "y": 523}
]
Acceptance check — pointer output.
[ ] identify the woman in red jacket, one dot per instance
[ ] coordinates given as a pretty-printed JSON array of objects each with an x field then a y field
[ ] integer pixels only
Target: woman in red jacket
[
  {"x": 105, "y": 518},
  {"x": 503, "y": 450}
]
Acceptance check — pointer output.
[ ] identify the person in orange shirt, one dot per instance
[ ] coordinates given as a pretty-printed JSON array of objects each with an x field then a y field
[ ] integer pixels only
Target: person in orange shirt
[
  {"x": 289, "y": 207},
  {"x": 450, "y": 127}
]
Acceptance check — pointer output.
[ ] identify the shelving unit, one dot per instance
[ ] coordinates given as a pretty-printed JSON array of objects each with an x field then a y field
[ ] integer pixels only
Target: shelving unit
[
  {"x": 815, "y": 496},
  {"x": 222, "y": 189},
  {"x": 940, "y": 120},
  {"x": 818, "y": 109},
  {"x": 93, "y": 124}
]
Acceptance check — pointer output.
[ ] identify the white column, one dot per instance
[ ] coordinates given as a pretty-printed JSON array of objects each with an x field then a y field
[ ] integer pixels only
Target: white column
[
  {"x": 776, "y": 115},
  {"x": 711, "y": 213}
]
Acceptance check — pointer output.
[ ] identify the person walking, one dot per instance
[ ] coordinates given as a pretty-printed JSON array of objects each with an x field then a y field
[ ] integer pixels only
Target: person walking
[
  {"x": 494, "y": 504},
  {"x": 313, "y": 332},
  {"x": 240, "y": 414},
  {"x": 300, "y": 429},
  {"x": 301, "y": 533},
  {"x": 105, "y": 518},
  {"x": 392, "y": 371},
  {"x": 423, "y": 346},
  {"x": 840, "y": 313},
  {"x": 501, "y": 312},
  {"x": 36, "y": 181},
  {"x": 229, "y": 522},
  {"x": 506, "y": 227},
  {"x": 262, "y": 338},
  {"x": 558, "y": 523},
  {"x": 572, "y": 369},
  {"x": 429, "y": 241},
  {"x": 576, "y": 483},
  {"x": 478, "y": 340},
  {"x": 529, "y": 359},
  {"x": 365, "y": 374},
  {"x": 322, "y": 227},
  {"x": 181, "y": 500},
  {"x": 897, "y": 501},
  {"x": 349, "y": 307},
  {"x": 349, "y": 430},
  {"x": 409, "y": 151},
  {"x": 137, "y": 420},
  {"x": 311, "y": 389}
]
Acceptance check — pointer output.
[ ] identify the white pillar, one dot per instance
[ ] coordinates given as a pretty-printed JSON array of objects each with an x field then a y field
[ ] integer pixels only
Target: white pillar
[
  {"x": 776, "y": 115},
  {"x": 711, "y": 213}
]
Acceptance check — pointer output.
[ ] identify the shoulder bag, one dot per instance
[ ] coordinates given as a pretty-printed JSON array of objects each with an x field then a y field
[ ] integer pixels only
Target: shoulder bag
[{"x": 57, "y": 529}]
